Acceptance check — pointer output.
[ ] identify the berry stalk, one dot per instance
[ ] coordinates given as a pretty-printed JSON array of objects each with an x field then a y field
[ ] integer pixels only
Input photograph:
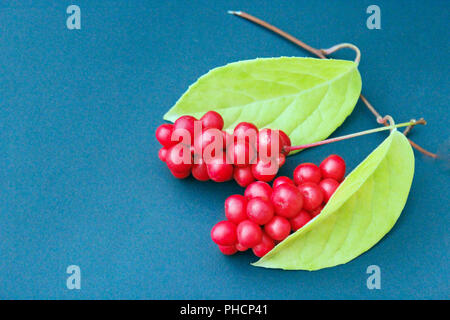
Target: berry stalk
[{"x": 357, "y": 134}]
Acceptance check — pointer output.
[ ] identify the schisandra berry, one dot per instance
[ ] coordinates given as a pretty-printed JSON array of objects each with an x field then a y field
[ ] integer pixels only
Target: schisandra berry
[
  {"x": 333, "y": 167},
  {"x": 228, "y": 250},
  {"x": 287, "y": 200},
  {"x": 180, "y": 175},
  {"x": 286, "y": 142},
  {"x": 249, "y": 234},
  {"x": 312, "y": 195},
  {"x": 258, "y": 189},
  {"x": 268, "y": 138},
  {"x": 245, "y": 129},
  {"x": 186, "y": 123},
  {"x": 219, "y": 170},
  {"x": 260, "y": 210},
  {"x": 300, "y": 220},
  {"x": 265, "y": 170},
  {"x": 278, "y": 228},
  {"x": 316, "y": 211},
  {"x": 206, "y": 138},
  {"x": 179, "y": 159},
  {"x": 241, "y": 154},
  {"x": 240, "y": 247},
  {"x": 236, "y": 208},
  {"x": 243, "y": 176},
  {"x": 280, "y": 180},
  {"x": 199, "y": 170},
  {"x": 228, "y": 137},
  {"x": 262, "y": 248},
  {"x": 212, "y": 119},
  {"x": 164, "y": 135},
  {"x": 224, "y": 233},
  {"x": 281, "y": 160},
  {"x": 162, "y": 154},
  {"x": 328, "y": 187},
  {"x": 307, "y": 172}
]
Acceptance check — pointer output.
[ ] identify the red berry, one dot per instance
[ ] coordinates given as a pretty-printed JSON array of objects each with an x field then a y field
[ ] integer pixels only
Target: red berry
[
  {"x": 241, "y": 154},
  {"x": 240, "y": 247},
  {"x": 212, "y": 119},
  {"x": 236, "y": 208},
  {"x": 164, "y": 135},
  {"x": 262, "y": 248},
  {"x": 228, "y": 250},
  {"x": 186, "y": 123},
  {"x": 316, "y": 211},
  {"x": 300, "y": 220},
  {"x": 307, "y": 172},
  {"x": 224, "y": 233},
  {"x": 258, "y": 189},
  {"x": 268, "y": 139},
  {"x": 260, "y": 210},
  {"x": 280, "y": 180},
  {"x": 328, "y": 187},
  {"x": 180, "y": 175},
  {"x": 249, "y": 234},
  {"x": 286, "y": 142},
  {"x": 281, "y": 160},
  {"x": 228, "y": 137},
  {"x": 265, "y": 170},
  {"x": 312, "y": 195},
  {"x": 199, "y": 170},
  {"x": 219, "y": 170},
  {"x": 245, "y": 129},
  {"x": 278, "y": 228},
  {"x": 179, "y": 158},
  {"x": 287, "y": 200},
  {"x": 333, "y": 167},
  {"x": 208, "y": 137},
  {"x": 243, "y": 176},
  {"x": 162, "y": 154}
]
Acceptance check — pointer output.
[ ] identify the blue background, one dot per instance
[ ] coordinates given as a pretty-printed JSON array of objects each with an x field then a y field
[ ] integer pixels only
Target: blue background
[{"x": 81, "y": 183}]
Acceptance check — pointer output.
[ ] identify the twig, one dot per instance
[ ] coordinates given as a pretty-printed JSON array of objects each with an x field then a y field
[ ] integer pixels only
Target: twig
[{"x": 321, "y": 53}]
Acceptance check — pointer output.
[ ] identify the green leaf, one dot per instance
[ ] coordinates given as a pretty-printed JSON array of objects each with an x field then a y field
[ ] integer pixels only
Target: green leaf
[
  {"x": 305, "y": 97},
  {"x": 361, "y": 211}
]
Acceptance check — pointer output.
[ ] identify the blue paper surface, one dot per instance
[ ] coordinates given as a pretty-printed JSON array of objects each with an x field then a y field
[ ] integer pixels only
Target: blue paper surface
[{"x": 81, "y": 182}]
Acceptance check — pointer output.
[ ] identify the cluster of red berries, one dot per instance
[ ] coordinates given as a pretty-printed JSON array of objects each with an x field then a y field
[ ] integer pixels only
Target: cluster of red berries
[
  {"x": 202, "y": 148},
  {"x": 266, "y": 215}
]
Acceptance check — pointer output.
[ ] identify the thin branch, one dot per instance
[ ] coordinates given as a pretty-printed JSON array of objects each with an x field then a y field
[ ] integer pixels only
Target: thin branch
[
  {"x": 371, "y": 108},
  {"x": 321, "y": 54},
  {"x": 408, "y": 129},
  {"x": 279, "y": 32}
]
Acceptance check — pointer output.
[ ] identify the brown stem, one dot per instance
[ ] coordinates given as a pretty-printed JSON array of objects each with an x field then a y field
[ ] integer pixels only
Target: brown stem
[
  {"x": 278, "y": 31},
  {"x": 320, "y": 54},
  {"x": 408, "y": 129},
  {"x": 422, "y": 150}
]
